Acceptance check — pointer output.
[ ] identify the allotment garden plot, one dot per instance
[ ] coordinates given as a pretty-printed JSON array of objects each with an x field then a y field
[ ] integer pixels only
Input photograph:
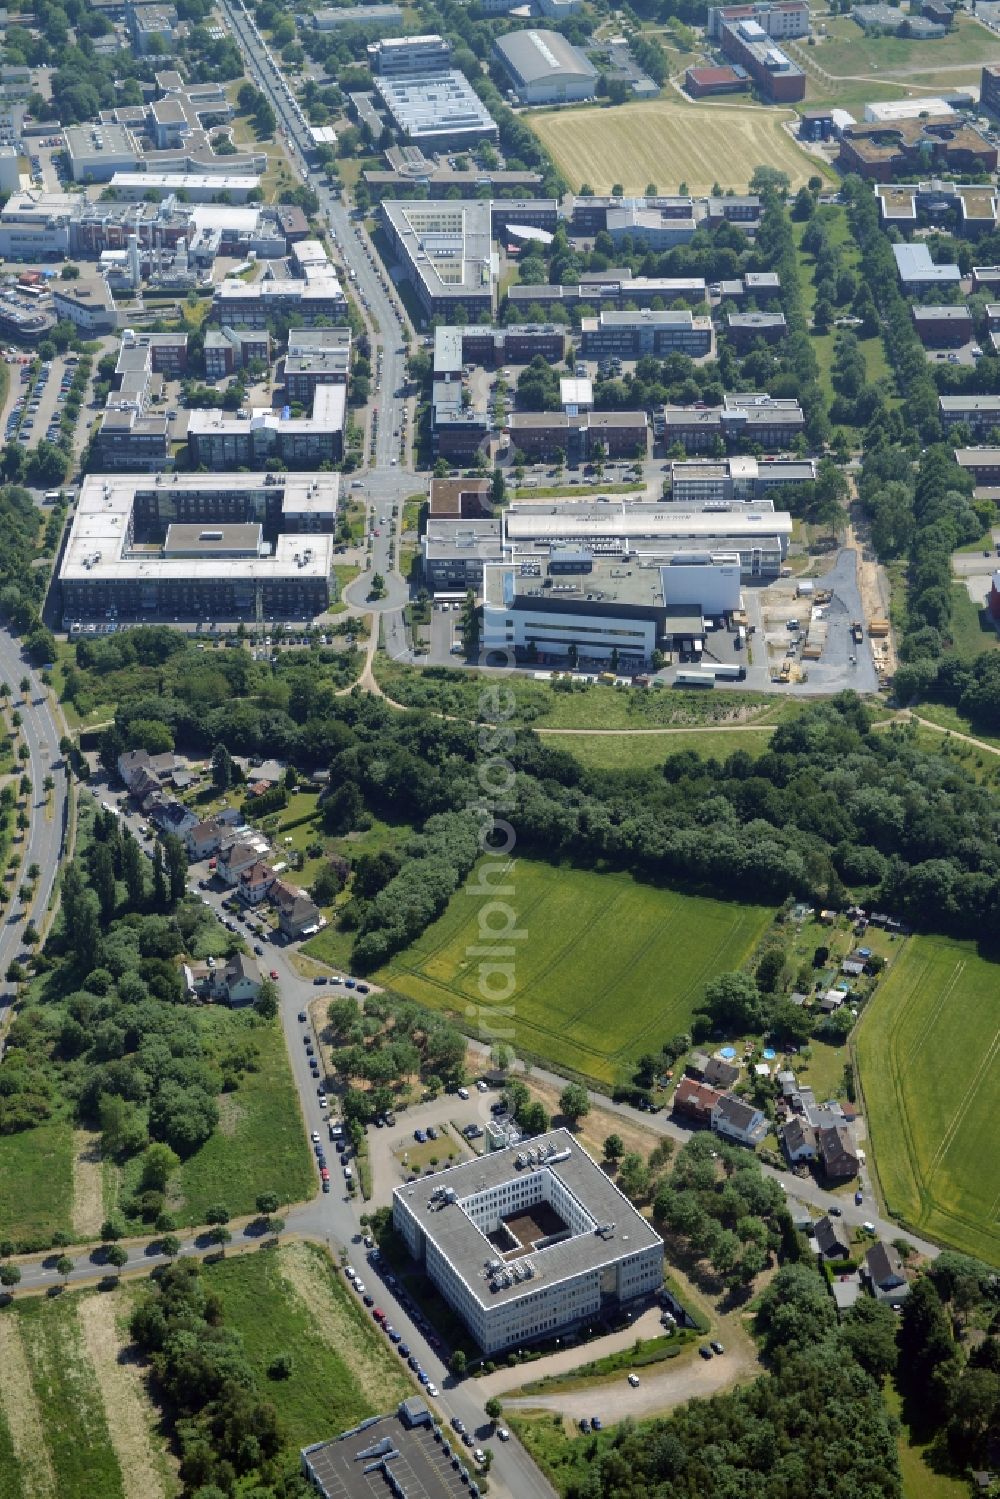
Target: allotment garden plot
[
  {"x": 608, "y": 968},
  {"x": 929, "y": 1054}
]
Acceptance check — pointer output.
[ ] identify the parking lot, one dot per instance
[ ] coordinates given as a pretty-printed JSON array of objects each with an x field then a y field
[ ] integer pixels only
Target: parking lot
[{"x": 35, "y": 406}]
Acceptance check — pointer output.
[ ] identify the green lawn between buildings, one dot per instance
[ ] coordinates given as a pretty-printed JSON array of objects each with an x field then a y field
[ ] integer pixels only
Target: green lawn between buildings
[
  {"x": 928, "y": 1050},
  {"x": 608, "y": 968}
]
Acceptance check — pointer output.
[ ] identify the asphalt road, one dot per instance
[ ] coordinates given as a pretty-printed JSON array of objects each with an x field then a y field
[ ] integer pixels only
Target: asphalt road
[
  {"x": 331, "y": 1218},
  {"x": 47, "y": 831}
]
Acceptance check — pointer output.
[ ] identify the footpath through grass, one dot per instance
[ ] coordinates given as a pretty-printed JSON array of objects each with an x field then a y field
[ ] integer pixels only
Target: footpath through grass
[
  {"x": 608, "y": 968},
  {"x": 928, "y": 1049},
  {"x": 524, "y": 701}
]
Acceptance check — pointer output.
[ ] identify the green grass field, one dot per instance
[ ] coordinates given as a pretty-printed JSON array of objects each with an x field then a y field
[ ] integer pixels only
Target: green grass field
[
  {"x": 76, "y": 1423},
  {"x": 64, "y": 1397},
  {"x": 969, "y": 630},
  {"x": 36, "y": 1182},
  {"x": 342, "y": 1370},
  {"x": 260, "y": 1143},
  {"x": 609, "y": 968},
  {"x": 928, "y": 1050},
  {"x": 848, "y": 52},
  {"x": 648, "y": 751},
  {"x": 669, "y": 142}
]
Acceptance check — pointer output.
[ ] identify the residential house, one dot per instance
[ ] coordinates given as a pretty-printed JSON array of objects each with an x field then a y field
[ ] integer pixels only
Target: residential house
[
  {"x": 143, "y": 785},
  {"x": 696, "y": 1064},
  {"x": 297, "y": 914},
  {"x": 204, "y": 839},
  {"x": 172, "y": 817},
  {"x": 846, "y": 1290},
  {"x": 883, "y": 1268},
  {"x": 255, "y": 883},
  {"x": 720, "y": 1073},
  {"x": 133, "y": 762},
  {"x": 853, "y": 967},
  {"x": 695, "y": 1101},
  {"x": 240, "y": 980},
  {"x": 832, "y": 1241},
  {"x": 234, "y": 860},
  {"x": 786, "y": 1082},
  {"x": 799, "y": 1141},
  {"x": 739, "y": 1121},
  {"x": 837, "y": 1152}
]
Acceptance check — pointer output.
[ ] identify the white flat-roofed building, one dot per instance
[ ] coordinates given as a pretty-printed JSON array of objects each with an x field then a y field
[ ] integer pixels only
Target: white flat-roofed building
[
  {"x": 316, "y": 356},
  {"x": 251, "y": 303},
  {"x": 758, "y": 534},
  {"x": 447, "y": 251},
  {"x": 131, "y": 187},
  {"x": 221, "y": 439},
  {"x": 884, "y": 112},
  {"x": 409, "y": 56},
  {"x": 197, "y": 545},
  {"x": 736, "y": 480},
  {"x": 545, "y": 68},
  {"x": 99, "y": 151},
  {"x": 437, "y": 108},
  {"x": 526, "y": 1241},
  {"x": 372, "y": 18}
]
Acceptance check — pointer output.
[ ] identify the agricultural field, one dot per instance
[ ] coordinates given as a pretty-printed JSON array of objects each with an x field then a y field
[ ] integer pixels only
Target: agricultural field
[
  {"x": 76, "y": 1418},
  {"x": 928, "y": 1050},
  {"x": 697, "y": 144},
  {"x": 607, "y": 970}
]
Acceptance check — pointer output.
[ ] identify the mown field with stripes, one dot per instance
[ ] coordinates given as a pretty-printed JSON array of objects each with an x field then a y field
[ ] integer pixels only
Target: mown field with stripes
[
  {"x": 928, "y": 1049},
  {"x": 603, "y": 968}
]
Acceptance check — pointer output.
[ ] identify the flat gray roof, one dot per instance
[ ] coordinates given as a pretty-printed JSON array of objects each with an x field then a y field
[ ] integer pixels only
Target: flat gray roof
[
  {"x": 435, "y": 105},
  {"x": 468, "y": 1249},
  {"x": 447, "y": 244},
  {"x": 356, "y": 1465},
  {"x": 189, "y": 538}
]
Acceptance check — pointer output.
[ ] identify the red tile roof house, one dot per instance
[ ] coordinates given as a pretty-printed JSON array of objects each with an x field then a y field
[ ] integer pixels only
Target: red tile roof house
[
  {"x": 695, "y": 1101},
  {"x": 255, "y": 883}
]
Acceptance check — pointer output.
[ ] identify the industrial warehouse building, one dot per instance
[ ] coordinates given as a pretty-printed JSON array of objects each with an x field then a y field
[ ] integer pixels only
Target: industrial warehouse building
[
  {"x": 599, "y": 611},
  {"x": 457, "y": 549},
  {"x": 545, "y": 68},
  {"x": 198, "y": 546},
  {"x": 525, "y": 1242}
]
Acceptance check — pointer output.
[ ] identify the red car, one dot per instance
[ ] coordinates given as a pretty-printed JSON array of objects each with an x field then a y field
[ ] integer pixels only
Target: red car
[
  {"x": 378, "y": 1314},
  {"x": 274, "y": 973},
  {"x": 325, "y": 1173}
]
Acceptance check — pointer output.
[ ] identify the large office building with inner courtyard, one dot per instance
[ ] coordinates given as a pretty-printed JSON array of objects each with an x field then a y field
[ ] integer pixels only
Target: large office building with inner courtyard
[
  {"x": 529, "y": 1241},
  {"x": 196, "y": 546}
]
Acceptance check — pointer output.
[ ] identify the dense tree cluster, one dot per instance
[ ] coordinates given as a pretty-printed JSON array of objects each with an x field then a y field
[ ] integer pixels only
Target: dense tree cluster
[
  {"x": 814, "y": 1425},
  {"x": 386, "y": 1044},
  {"x": 22, "y": 584},
  {"x": 227, "y": 1433},
  {"x": 108, "y": 1029},
  {"x": 830, "y": 805},
  {"x": 720, "y": 1206}
]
